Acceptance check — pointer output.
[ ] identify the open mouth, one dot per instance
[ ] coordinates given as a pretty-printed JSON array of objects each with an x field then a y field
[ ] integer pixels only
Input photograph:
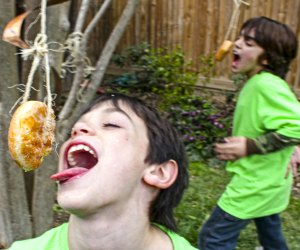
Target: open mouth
[
  {"x": 81, "y": 156},
  {"x": 236, "y": 57},
  {"x": 80, "y": 159},
  {"x": 235, "y": 60}
]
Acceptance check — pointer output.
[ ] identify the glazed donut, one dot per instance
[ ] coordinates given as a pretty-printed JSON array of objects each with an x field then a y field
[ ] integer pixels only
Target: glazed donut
[{"x": 31, "y": 134}]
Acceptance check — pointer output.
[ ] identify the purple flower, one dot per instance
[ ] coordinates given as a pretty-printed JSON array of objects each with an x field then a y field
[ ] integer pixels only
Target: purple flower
[{"x": 191, "y": 138}]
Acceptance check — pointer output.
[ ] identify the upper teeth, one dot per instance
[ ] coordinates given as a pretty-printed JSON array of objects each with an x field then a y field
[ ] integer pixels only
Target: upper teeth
[{"x": 80, "y": 147}]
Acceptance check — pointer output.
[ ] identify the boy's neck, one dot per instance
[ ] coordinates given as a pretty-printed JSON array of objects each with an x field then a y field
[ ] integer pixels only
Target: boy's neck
[
  {"x": 132, "y": 232},
  {"x": 255, "y": 71}
]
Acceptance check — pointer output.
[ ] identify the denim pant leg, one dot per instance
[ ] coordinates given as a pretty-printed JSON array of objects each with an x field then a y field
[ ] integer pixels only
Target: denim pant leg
[
  {"x": 269, "y": 232},
  {"x": 221, "y": 231}
]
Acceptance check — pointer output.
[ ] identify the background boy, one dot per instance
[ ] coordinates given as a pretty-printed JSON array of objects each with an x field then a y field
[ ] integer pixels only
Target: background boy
[{"x": 266, "y": 124}]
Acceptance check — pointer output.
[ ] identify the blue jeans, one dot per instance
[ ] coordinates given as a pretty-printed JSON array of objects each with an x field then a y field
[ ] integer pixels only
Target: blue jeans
[{"x": 221, "y": 231}]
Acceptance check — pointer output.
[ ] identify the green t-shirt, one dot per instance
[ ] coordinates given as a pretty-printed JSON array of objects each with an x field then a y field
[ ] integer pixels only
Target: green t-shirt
[
  {"x": 57, "y": 239},
  {"x": 259, "y": 185}
]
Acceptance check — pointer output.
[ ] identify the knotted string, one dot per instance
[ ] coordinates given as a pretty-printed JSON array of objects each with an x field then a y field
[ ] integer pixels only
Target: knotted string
[
  {"x": 39, "y": 51},
  {"x": 73, "y": 46}
]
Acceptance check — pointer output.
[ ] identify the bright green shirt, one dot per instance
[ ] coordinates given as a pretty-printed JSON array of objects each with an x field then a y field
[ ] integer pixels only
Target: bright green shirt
[
  {"x": 259, "y": 185},
  {"x": 57, "y": 239}
]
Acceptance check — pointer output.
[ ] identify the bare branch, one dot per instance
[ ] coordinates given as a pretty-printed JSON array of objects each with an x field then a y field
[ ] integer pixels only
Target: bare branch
[
  {"x": 102, "y": 64},
  {"x": 82, "y": 15},
  {"x": 94, "y": 22},
  {"x": 78, "y": 78},
  {"x": 79, "y": 64}
]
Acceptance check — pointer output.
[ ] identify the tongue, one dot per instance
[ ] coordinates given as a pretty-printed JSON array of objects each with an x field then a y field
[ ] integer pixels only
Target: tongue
[
  {"x": 68, "y": 174},
  {"x": 234, "y": 63}
]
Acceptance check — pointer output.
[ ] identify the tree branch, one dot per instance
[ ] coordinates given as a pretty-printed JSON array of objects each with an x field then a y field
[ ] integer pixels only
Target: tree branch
[
  {"x": 78, "y": 78},
  {"x": 94, "y": 22},
  {"x": 82, "y": 15},
  {"x": 101, "y": 65}
]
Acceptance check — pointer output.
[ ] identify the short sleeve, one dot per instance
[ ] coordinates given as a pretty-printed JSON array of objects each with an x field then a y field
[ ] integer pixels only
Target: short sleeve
[{"x": 279, "y": 107}]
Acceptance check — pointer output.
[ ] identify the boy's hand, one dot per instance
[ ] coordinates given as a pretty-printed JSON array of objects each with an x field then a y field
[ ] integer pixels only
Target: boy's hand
[{"x": 233, "y": 148}]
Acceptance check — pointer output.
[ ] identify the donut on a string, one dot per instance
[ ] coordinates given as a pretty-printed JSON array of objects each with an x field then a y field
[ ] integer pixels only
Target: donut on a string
[{"x": 31, "y": 134}]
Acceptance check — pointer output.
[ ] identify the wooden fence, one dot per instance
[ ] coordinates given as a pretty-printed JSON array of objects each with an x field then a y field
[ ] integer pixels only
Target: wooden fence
[{"x": 198, "y": 27}]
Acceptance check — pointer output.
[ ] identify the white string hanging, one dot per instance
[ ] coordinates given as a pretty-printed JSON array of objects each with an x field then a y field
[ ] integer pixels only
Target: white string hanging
[
  {"x": 227, "y": 43},
  {"x": 40, "y": 53}
]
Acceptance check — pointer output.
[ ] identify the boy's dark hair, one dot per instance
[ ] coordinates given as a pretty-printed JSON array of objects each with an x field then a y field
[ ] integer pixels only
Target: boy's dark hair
[
  {"x": 164, "y": 144},
  {"x": 278, "y": 41}
]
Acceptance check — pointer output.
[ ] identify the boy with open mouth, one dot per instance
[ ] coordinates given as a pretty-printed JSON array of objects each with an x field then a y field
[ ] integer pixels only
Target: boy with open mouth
[
  {"x": 266, "y": 126},
  {"x": 121, "y": 174}
]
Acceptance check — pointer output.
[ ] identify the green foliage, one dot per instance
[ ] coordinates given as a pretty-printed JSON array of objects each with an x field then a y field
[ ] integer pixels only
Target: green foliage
[
  {"x": 158, "y": 71},
  {"x": 206, "y": 65},
  {"x": 132, "y": 55},
  {"x": 200, "y": 123},
  {"x": 170, "y": 81}
]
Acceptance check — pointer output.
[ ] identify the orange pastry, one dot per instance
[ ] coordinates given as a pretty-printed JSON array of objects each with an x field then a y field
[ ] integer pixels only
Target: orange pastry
[
  {"x": 223, "y": 50},
  {"x": 31, "y": 134}
]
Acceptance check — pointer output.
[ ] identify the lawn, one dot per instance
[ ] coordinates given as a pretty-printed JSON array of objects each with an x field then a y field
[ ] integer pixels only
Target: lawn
[{"x": 206, "y": 185}]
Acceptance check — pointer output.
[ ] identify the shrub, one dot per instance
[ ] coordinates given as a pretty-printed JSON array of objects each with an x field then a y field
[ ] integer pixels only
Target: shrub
[
  {"x": 200, "y": 123},
  {"x": 168, "y": 80}
]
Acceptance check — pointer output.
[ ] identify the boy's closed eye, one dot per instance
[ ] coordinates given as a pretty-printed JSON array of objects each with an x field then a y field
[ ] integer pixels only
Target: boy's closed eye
[
  {"x": 111, "y": 125},
  {"x": 250, "y": 40}
]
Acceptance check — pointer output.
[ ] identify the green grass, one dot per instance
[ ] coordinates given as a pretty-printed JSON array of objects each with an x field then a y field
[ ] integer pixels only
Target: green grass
[{"x": 206, "y": 185}]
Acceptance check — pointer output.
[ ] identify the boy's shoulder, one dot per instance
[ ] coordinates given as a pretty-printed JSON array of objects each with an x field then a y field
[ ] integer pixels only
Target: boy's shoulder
[
  {"x": 55, "y": 238},
  {"x": 267, "y": 78},
  {"x": 179, "y": 242},
  {"x": 266, "y": 81}
]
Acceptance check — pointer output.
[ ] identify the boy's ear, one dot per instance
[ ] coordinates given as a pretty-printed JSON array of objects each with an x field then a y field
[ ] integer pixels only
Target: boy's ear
[
  {"x": 161, "y": 175},
  {"x": 264, "y": 62}
]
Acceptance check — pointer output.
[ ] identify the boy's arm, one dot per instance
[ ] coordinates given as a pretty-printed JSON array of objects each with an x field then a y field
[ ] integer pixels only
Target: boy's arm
[
  {"x": 269, "y": 143},
  {"x": 237, "y": 147},
  {"x": 272, "y": 142}
]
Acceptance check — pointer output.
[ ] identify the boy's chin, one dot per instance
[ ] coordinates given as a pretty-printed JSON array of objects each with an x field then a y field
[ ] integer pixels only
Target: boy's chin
[
  {"x": 235, "y": 70},
  {"x": 71, "y": 208}
]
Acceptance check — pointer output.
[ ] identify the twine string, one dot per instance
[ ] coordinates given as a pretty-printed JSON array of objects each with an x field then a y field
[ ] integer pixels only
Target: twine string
[
  {"x": 235, "y": 17},
  {"x": 73, "y": 46},
  {"x": 39, "y": 51}
]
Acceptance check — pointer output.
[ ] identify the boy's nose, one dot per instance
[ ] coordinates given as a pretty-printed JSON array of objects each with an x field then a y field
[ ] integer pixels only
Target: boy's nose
[
  {"x": 81, "y": 128},
  {"x": 237, "y": 43}
]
